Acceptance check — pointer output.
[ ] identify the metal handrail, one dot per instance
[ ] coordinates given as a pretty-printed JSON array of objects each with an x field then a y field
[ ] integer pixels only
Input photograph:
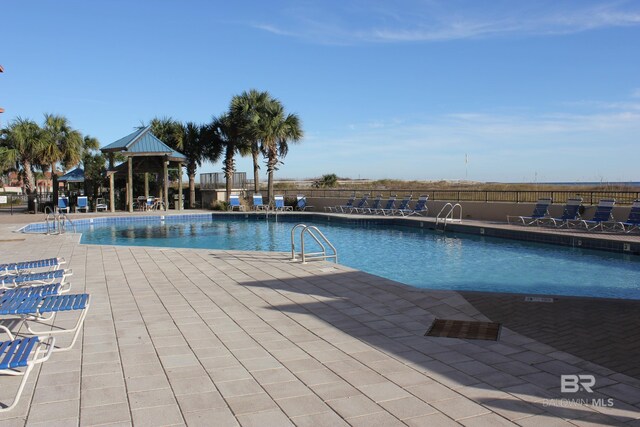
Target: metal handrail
[
  {"x": 312, "y": 230},
  {"x": 449, "y": 216}
]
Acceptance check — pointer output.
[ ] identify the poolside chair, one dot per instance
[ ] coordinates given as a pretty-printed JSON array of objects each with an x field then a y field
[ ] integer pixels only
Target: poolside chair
[
  {"x": 540, "y": 210},
  {"x": 29, "y": 266},
  {"x": 36, "y": 308},
  {"x": 63, "y": 204},
  {"x": 234, "y": 202},
  {"x": 18, "y": 358},
  {"x": 361, "y": 204},
  {"x": 377, "y": 202},
  {"x": 389, "y": 208},
  {"x": 341, "y": 208},
  {"x": 631, "y": 224},
  {"x": 404, "y": 206},
  {"x": 301, "y": 202},
  {"x": 602, "y": 215},
  {"x": 257, "y": 203},
  {"x": 82, "y": 204},
  {"x": 419, "y": 209},
  {"x": 43, "y": 278},
  {"x": 279, "y": 204},
  {"x": 571, "y": 212},
  {"x": 101, "y": 204}
]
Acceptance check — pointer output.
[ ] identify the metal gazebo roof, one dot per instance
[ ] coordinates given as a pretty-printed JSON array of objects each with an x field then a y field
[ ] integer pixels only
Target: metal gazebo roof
[
  {"x": 76, "y": 175},
  {"x": 143, "y": 143}
]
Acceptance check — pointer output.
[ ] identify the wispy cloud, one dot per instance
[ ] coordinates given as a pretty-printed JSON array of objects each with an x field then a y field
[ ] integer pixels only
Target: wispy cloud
[{"x": 417, "y": 21}]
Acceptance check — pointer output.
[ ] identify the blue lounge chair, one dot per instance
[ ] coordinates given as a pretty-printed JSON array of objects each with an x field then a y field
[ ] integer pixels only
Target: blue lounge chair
[
  {"x": 42, "y": 278},
  {"x": 301, "y": 203},
  {"x": 234, "y": 202},
  {"x": 257, "y": 203},
  {"x": 632, "y": 223},
  {"x": 18, "y": 357},
  {"x": 29, "y": 266},
  {"x": 389, "y": 208},
  {"x": 571, "y": 212},
  {"x": 82, "y": 204},
  {"x": 360, "y": 205},
  {"x": 540, "y": 210},
  {"x": 279, "y": 204},
  {"x": 341, "y": 208},
  {"x": 377, "y": 202},
  {"x": 603, "y": 214},
  {"x": 37, "y": 308},
  {"x": 404, "y": 206},
  {"x": 419, "y": 209},
  {"x": 63, "y": 204}
]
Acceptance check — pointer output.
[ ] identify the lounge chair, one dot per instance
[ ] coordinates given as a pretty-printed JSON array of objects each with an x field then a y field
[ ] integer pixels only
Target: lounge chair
[
  {"x": 18, "y": 358},
  {"x": 341, "y": 208},
  {"x": 63, "y": 204},
  {"x": 82, "y": 204},
  {"x": 571, "y": 212},
  {"x": 101, "y": 205},
  {"x": 234, "y": 202},
  {"x": 540, "y": 210},
  {"x": 43, "y": 278},
  {"x": 257, "y": 203},
  {"x": 404, "y": 206},
  {"x": 279, "y": 204},
  {"x": 301, "y": 202},
  {"x": 632, "y": 223},
  {"x": 389, "y": 208},
  {"x": 419, "y": 209},
  {"x": 603, "y": 214},
  {"x": 361, "y": 204},
  {"x": 377, "y": 202},
  {"x": 36, "y": 308},
  {"x": 29, "y": 266}
]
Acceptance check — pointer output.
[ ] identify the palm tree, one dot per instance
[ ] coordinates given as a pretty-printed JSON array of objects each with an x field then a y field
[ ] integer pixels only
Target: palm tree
[
  {"x": 62, "y": 144},
  {"x": 20, "y": 147},
  {"x": 168, "y": 130},
  {"x": 226, "y": 133},
  {"x": 274, "y": 129},
  {"x": 193, "y": 147},
  {"x": 245, "y": 108}
]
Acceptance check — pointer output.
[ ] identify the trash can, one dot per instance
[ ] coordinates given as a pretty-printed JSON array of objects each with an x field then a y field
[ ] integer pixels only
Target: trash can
[{"x": 177, "y": 203}]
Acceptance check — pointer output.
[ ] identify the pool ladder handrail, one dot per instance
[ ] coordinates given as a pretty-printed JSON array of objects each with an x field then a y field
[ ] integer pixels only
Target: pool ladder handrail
[
  {"x": 316, "y": 235},
  {"x": 449, "y": 215},
  {"x": 58, "y": 220}
]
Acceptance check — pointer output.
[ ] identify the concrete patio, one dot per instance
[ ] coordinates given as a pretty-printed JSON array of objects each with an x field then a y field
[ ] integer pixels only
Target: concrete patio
[{"x": 204, "y": 337}]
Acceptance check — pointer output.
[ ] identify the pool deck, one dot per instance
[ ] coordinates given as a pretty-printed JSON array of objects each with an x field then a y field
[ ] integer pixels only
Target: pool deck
[{"x": 206, "y": 337}]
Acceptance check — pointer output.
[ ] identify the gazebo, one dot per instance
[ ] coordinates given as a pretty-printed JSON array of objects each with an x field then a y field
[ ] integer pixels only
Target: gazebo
[{"x": 145, "y": 153}]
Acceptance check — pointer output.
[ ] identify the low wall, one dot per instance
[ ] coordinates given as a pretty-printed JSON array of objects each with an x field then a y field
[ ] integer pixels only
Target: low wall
[{"x": 484, "y": 211}]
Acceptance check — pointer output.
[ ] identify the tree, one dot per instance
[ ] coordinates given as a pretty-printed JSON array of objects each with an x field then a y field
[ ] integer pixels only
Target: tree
[
  {"x": 275, "y": 129},
  {"x": 20, "y": 148},
  {"x": 193, "y": 147},
  {"x": 245, "y": 109},
  {"x": 329, "y": 180},
  {"x": 62, "y": 144},
  {"x": 94, "y": 165},
  {"x": 226, "y": 134}
]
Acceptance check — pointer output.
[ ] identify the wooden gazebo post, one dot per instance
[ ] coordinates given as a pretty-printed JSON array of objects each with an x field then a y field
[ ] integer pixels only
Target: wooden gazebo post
[
  {"x": 165, "y": 167},
  {"x": 179, "y": 186},
  {"x": 130, "y": 182},
  {"x": 112, "y": 197}
]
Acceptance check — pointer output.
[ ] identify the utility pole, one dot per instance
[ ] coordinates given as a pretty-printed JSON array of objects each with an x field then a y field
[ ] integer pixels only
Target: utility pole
[{"x": 1, "y": 71}]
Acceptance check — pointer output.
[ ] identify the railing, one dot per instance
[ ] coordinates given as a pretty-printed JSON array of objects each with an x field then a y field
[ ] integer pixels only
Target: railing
[
  {"x": 507, "y": 196},
  {"x": 56, "y": 221},
  {"x": 319, "y": 237},
  {"x": 447, "y": 214},
  {"x": 217, "y": 180}
]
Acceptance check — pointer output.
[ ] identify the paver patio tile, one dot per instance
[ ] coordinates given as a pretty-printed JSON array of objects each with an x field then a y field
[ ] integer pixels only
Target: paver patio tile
[
  {"x": 302, "y": 405},
  {"x": 377, "y": 419},
  {"x": 270, "y": 376},
  {"x": 407, "y": 407},
  {"x": 459, "y": 407},
  {"x": 324, "y": 419},
  {"x": 250, "y": 403},
  {"x": 487, "y": 420},
  {"x": 431, "y": 420},
  {"x": 335, "y": 390},
  {"x": 239, "y": 388},
  {"x": 622, "y": 392},
  {"x": 287, "y": 389},
  {"x": 103, "y": 396},
  {"x": 200, "y": 401},
  {"x": 383, "y": 391},
  {"x": 56, "y": 393},
  {"x": 513, "y": 409},
  {"x": 151, "y": 398},
  {"x": 153, "y": 382},
  {"x": 354, "y": 406},
  {"x": 105, "y": 414},
  {"x": 160, "y": 415},
  {"x": 272, "y": 418},
  {"x": 543, "y": 420},
  {"x": 319, "y": 376}
]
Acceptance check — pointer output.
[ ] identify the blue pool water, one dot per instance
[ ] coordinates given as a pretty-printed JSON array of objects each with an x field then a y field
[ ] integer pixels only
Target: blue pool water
[{"x": 422, "y": 258}]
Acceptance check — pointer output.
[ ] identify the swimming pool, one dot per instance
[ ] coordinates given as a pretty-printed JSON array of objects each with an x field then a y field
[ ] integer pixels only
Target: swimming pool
[{"x": 414, "y": 256}]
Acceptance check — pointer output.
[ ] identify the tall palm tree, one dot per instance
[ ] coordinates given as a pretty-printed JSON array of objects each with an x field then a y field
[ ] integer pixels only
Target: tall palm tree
[
  {"x": 226, "y": 133},
  {"x": 20, "y": 148},
  {"x": 245, "y": 108},
  {"x": 275, "y": 129},
  {"x": 168, "y": 130},
  {"x": 62, "y": 144},
  {"x": 193, "y": 147}
]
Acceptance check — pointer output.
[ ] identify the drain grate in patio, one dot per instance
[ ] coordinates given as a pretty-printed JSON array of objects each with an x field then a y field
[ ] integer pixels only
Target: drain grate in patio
[{"x": 464, "y": 329}]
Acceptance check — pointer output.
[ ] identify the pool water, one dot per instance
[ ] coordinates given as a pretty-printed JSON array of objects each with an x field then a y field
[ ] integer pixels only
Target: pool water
[{"x": 421, "y": 258}]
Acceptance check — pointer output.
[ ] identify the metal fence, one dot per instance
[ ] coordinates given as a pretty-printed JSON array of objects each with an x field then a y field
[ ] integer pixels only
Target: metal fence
[
  {"x": 217, "y": 180},
  {"x": 588, "y": 197}
]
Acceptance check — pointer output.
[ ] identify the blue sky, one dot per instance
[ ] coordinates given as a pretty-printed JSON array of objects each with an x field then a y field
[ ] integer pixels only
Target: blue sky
[{"x": 544, "y": 90}]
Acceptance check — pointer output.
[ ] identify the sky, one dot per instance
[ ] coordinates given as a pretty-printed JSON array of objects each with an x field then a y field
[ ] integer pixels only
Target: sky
[{"x": 506, "y": 91}]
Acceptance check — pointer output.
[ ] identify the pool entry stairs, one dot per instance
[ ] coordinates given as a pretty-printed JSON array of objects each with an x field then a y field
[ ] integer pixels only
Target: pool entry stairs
[{"x": 317, "y": 235}]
